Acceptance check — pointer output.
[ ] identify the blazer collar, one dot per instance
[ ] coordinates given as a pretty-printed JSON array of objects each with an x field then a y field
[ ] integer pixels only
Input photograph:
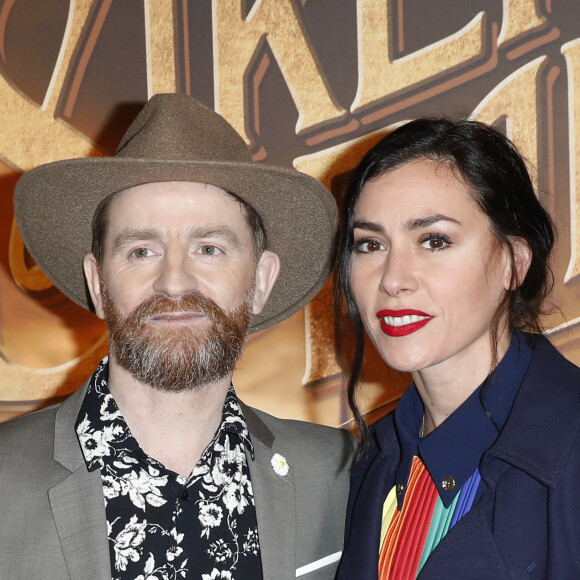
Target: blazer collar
[
  {"x": 77, "y": 502},
  {"x": 79, "y": 512},
  {"x": 275, "y": 499},
  {"x": 538, "y": 447}
]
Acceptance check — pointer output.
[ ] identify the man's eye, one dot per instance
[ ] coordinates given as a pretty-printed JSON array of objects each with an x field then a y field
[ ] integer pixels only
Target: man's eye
[
  {"x": 141, "y": 253},
  {"x": 367, "y": 246},
  {"x": 209, "y": 250}
]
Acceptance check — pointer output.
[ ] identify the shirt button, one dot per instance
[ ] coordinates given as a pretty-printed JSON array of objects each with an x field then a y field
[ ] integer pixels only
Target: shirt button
[
  {"x": 185, "y": 495},
  {"x": 448, "y": 483},
  {"x": 400, "y": 488}
]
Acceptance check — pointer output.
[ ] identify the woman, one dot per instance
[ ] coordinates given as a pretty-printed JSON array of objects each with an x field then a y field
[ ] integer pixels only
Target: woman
[{"x": 443, "y": 260}]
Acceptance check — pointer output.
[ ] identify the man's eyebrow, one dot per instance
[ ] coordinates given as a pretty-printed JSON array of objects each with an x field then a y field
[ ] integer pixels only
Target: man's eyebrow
[
  {"x": 224, "y": 232},
  {"x": 130, "y": 235}
]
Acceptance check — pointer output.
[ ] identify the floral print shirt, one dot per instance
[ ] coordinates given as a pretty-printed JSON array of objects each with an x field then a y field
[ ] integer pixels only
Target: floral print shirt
[{"x": 163, "y": 526}]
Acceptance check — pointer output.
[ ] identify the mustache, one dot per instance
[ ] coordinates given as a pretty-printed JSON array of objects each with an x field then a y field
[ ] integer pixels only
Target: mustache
[{"x": 193, "y": 301}]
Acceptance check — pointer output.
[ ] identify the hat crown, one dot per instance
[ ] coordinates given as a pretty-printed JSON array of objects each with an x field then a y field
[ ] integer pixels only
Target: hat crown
[{"x": 175, "y": 127}]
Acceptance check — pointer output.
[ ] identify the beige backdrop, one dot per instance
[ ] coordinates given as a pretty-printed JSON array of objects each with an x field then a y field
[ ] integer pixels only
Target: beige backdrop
[{"x": 309, "y": 83}]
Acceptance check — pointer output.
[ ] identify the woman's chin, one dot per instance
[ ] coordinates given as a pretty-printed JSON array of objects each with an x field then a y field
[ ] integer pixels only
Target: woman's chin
[{"x": 405, "y": 364}]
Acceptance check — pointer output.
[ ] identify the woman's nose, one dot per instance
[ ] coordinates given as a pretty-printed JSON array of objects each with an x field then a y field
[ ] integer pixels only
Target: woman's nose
[{"x": 398, "y": 275}]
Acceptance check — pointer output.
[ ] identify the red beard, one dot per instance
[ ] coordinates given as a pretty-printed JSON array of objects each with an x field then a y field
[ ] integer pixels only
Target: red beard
[{"x": 177, "y": 359}]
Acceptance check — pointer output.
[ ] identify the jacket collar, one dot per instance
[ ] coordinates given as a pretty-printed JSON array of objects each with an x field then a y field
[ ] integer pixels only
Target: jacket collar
[
  {"x": 77, "y": 502},
  {"x": 67, "y": 450},
  {"x": 275, "y": 500},
  {"x": 545, "y": 392},
  {"x": 79, "y": 512}
]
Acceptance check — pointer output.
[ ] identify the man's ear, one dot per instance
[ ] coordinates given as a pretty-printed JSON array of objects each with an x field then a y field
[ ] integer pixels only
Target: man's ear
[
  {"x": 93, "y": 276},
  {"x": 266, "y": 274},
  {"x": 522, "y": 259}
]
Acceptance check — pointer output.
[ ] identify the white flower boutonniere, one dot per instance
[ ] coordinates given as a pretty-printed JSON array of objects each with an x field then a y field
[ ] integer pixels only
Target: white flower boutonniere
[{"x": 280, "y": 465}]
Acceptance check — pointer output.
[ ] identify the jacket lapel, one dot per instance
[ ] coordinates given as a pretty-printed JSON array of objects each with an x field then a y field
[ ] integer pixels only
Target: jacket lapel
[
  {"x": 469, "y": 546},
  {"x": 275, "y": 499},
  {"x": 77, "y": 502},
  {"x": 79, "y": 515}
]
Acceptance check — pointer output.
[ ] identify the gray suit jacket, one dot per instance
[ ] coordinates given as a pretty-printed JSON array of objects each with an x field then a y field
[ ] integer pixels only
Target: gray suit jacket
[{"x": 52, "y": 514}]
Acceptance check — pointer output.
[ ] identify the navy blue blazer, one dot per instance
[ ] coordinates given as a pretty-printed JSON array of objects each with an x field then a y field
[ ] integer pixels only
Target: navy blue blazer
[{"x": 527, "y": 523}]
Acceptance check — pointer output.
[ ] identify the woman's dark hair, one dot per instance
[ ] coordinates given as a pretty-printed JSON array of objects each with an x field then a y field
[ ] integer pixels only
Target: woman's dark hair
[{"x": 499, "y": 182}]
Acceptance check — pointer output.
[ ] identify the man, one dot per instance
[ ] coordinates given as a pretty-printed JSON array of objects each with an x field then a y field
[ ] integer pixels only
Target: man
[{"x": 154, "y": 468}]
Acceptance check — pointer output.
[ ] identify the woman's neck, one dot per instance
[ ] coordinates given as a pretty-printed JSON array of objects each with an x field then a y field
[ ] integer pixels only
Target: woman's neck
[{"x": 443, "y": 388}]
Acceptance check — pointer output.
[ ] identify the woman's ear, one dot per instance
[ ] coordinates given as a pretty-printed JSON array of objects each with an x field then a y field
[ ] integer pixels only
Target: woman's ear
[{"x": 522, "y": 260}]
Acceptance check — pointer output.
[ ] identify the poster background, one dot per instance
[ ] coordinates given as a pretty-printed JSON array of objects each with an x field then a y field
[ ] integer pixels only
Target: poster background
[{"x": 309, "y": 83}]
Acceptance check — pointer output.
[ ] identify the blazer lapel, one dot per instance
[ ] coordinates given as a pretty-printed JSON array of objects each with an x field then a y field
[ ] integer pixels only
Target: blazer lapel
[
  {"x": 275, "y": 499},
  {"x": 79, "y": 514},
  {"x": 77, "y": 502},
  {"x": 469, "y": 546}
]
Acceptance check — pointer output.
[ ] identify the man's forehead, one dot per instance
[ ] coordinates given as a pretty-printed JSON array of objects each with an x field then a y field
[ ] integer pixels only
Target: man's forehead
[
  {"x": 168, "y": 186},
  {"x": 176, "y": 208},
  {"x": 170, "y": 194}
]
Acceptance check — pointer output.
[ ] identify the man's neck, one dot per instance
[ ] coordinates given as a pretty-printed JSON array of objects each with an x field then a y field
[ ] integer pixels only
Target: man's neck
[{"x": 173, "y": 428}]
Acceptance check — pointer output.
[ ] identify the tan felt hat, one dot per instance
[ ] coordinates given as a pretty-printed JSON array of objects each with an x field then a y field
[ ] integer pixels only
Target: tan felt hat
[{"x": 176, "y": 138}]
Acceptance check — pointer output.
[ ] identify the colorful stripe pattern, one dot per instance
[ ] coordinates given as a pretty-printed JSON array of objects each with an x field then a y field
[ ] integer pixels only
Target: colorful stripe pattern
[{"x": 409, "y": 535}]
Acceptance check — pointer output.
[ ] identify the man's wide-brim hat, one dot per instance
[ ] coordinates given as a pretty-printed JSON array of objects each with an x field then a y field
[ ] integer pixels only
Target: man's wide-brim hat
[{"x": 176, "y": 138}]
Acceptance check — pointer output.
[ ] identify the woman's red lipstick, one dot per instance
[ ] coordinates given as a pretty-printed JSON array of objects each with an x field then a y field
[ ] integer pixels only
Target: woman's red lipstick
[{"x": 402, "y": 322}]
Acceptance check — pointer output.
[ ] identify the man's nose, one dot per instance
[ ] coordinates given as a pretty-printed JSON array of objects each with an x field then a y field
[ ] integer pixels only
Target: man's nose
[
  {"x": 176, "y": 276},
  {"x": 399, "y": 274}
]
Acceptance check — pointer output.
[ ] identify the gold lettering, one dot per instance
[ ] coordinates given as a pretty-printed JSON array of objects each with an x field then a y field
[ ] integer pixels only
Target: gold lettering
[
  {"x": 516, "y": 99},
  {"x": 321, "y": 360},
  {"x": 24, "y": 384},
  {"x": 571, "y": 52},
  {"x": 519, "y": 16},
  {"x": 28, "y": 278},
  {"x": 30, "y": 135},
  {"x": 381, "y": 75},
  {"x": 26, "y": 128},
  {"x": 160, "y": 39},
  {"x": 77, "y": 17},
  {"x": 236, "y": 42}
]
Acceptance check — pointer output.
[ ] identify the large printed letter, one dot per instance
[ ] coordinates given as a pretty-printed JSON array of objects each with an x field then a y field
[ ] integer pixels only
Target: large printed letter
[
  {"x": 381, "y": 75},
  {"x": 519, "y": 16},
  {"x": 516, "y": 98},
  {"x": 236, "y": 42},
  {"x": 160, "y": 38},
  {"x": 571, "y": 52}
]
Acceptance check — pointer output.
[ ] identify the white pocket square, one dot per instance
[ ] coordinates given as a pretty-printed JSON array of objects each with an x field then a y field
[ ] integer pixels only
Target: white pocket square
[{"x": 318, "y": 564}]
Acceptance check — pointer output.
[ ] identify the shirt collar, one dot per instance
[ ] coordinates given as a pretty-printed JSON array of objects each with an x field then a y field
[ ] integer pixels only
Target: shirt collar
[
  {"x": 101, "y": 427},
  {"x": 478, "y": 420}
]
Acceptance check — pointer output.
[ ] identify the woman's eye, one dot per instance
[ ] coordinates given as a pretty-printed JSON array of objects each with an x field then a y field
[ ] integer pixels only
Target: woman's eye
[
  {"x": 368, "y": 246},
  {"x": 141, "y": 253},
  {"x": 209, "y": 250},
  {"x": 436, "y": 242}
]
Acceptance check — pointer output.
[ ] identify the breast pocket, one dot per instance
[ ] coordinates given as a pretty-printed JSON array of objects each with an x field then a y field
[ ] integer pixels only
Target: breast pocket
[{"x": 324, "y": 568}]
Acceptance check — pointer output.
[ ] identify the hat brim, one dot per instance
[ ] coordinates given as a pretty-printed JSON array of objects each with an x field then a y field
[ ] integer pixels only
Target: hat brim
[{"x": 54, "y": 206}]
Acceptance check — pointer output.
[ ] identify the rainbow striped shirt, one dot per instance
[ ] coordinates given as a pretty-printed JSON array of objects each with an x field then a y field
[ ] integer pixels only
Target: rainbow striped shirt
[{"x": 438, "y": 480}]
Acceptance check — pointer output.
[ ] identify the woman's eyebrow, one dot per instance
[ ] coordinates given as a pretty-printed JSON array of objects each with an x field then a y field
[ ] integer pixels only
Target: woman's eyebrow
[
  {"x": 428, "y": 220},
  {"x": 369, "y": 226},
  {"x": 410, "y": 225}
]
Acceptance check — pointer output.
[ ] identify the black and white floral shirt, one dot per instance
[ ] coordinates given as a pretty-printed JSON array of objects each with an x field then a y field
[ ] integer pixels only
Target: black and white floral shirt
[{"x": 162, "y": 526}]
